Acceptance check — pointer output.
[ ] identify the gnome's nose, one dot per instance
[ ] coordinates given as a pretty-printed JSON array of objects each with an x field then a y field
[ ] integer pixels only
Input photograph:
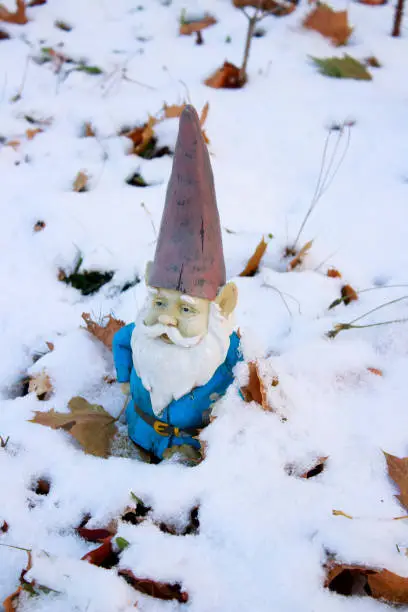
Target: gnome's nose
[{"x": 167, "y": 320}]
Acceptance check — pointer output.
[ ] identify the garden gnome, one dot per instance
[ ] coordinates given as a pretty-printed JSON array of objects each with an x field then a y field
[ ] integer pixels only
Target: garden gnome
[{"x": 178, "y": 356}]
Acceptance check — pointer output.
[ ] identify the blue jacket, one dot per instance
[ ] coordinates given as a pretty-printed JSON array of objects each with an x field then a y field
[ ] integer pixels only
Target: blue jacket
[{"x": 190, "y": 411}]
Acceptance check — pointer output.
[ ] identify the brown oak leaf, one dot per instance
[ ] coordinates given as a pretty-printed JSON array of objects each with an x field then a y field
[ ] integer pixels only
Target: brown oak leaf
[
  {"x": 89, "y": 424},
  {"x": 103, "y": 333}
]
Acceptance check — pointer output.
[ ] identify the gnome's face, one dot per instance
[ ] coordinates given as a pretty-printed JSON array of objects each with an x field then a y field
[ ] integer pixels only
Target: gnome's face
[{"x": 183, "y": 319}]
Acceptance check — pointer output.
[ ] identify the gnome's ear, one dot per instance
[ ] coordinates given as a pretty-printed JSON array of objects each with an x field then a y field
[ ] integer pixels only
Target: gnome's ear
[
  {"x": 227, "y": 299},
  {"x": 147, "y": 271}
]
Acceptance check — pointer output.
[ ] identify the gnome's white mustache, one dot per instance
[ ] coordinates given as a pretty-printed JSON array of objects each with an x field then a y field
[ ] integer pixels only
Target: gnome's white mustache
[{"x": 155, "y": 331}]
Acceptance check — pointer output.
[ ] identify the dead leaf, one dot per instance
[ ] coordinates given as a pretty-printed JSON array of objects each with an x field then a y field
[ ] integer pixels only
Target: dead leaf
[
  {"x": 348, "y": 294},
  {"x": 141, "y": 136},
  {"x": 277, "y": 9},
  {"x": 89, "y": 131},
  {"x": 94, "y": 535},
  {"x": 189, "y": 27},
  {"x": 375, "y": 371},
  {"x": 253, "y": 263},
  {"x": 4, "y": 528},
  {"x": 160, "y": 590},
  {"x": 40, "y": 225},
  {"x": 204, "y": 113},
  {"x": 37, "y": 2},
  {"x": 4, "y": 35},
  {"x": 226, "y": 77},
  {"x": 373, "y": 2},
  {"x": 333, "y": 273},
  {"x": 256, "y": 390},
  {"x": 174, "y": 110},
  {"x": 398, "y": 471},
  {"x": 10, "y": 604},
  {"x": 81, "y": 182},
  {"x": 109, "y": 379},
  {"x": 380, "y": 583},
  {"x": 330, "y": 23},
  {"x": 18, "y": 17},
  {"x": 41, "y": 385},
  {"x": 14, "y": 144},
  {"x": 341, "y": 513},
  {"x": 298, "y": 259},
  {"x": 89, "y": 424},
  {"x": 42, "y": 486},
  {"x": 104, "y": 555},
  {"x": 103, "y": 333},
  {"x": 316, "y": 469},
  {"x": 32, "y": 133},
  {"x": 50, "y": 346}
]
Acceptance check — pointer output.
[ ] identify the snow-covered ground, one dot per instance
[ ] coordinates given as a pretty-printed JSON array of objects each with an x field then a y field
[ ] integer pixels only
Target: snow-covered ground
[{"x": 264, "y": 532}]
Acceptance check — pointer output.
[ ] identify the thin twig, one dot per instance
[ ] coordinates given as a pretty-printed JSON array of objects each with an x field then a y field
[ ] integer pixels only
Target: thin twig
[{"x": 404, "y": 297}]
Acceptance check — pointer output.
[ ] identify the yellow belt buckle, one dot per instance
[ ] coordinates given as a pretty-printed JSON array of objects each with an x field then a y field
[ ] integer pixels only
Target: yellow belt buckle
[{"x": 160, "y": 428}]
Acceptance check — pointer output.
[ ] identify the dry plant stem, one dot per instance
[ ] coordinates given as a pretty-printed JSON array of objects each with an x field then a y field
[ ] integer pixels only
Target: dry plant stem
[
  {"x": 326, "y": 174},
  {"x": 252, "y": 21},
  {"x": 351, "y": 325},
  {"x": 343, "y": 299},
  {"x": 399, "y": 11}
]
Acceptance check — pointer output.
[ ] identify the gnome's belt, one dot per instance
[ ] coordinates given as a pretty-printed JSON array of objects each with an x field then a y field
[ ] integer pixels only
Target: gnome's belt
[{"x": 164, "y": 429}]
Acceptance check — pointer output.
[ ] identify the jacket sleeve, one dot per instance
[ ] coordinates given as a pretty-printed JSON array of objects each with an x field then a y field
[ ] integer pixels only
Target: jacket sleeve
[{"x": 122, "y": 352}]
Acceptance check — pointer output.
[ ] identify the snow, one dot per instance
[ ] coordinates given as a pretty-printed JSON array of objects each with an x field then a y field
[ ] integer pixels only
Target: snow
[{"x": 263, "y": 529}]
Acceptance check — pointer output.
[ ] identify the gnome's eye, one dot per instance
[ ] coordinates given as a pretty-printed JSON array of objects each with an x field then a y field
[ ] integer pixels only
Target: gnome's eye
[
  {"x": 187, "y": 310},
  {"x": 159, "y": 303}
]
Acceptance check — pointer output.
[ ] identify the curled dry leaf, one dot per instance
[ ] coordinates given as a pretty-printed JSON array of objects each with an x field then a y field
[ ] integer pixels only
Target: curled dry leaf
[
  {"x": 174, "y": 110},
  {"x": 94, "y": 535},
  {"x": 348, "y": 294},
  {"x": 333, "y": 273},
  {"x": 89, "y": 424},
  {"x": 160, "y": 590},
  {"x": 226, "y": 77},
  {"x": 253, "y": 263},
  {"x": 379, "y": 583},
  {"x": 81, "y": 182},
  {"x": 341, "y": 513},
  {"x": 41, "y": 385},
  {"x": 189, "y": 27},
  {"x": 331, "y": 24},
  {"x": 103, "y": 333},
  {"x": 89, "y": 131},
  {"x": 104, "y": 555},
  {"x": 142, "y": 136},
  {"x": 4, "y": 527},
  {"x": 256, "y": 389},
  {"x": 18, "y": 17},
  {"x": 37, "y": 2},
  {"x": 10, "y": 604},
  {"x": 398, "y": 471},
  {"x": 298, "y": 259}
]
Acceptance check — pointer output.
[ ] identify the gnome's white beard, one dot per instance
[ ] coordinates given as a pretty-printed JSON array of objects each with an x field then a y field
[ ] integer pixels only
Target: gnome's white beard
[{"x": 169, "y": 371}]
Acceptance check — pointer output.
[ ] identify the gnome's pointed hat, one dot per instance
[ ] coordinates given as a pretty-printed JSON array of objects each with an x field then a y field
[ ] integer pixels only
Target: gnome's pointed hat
[{"x": 189, "y": 256}]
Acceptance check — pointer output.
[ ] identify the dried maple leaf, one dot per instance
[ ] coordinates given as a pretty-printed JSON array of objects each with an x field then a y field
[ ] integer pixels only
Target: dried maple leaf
[
  {"x": 32, "y": 133},
  {"x": 331, "y": 24},
  {"x": 18, "y": 16},
  {"x": 103, "y": 333},
  {"x": 398, "y": 471},
  {"x": 89, "y": 424},
  {"x": 41, "y": 385},
  {"x": 226, "y": 77},
  {"x": 81, "y": 182},
  {"x": 160, "y": 590},
  {"x": 253, "y": 263},
  {"x": 298, "y": 259},
  {"x": 348, "y": 294},
  {"x": 333, "y": 273},
  {"x": 381, "y": 583},
  {"x": 189, "y": 27}
]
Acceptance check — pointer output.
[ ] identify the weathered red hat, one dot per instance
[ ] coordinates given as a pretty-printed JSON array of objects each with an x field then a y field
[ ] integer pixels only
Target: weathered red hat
[{"x": 189, "y": 255}]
